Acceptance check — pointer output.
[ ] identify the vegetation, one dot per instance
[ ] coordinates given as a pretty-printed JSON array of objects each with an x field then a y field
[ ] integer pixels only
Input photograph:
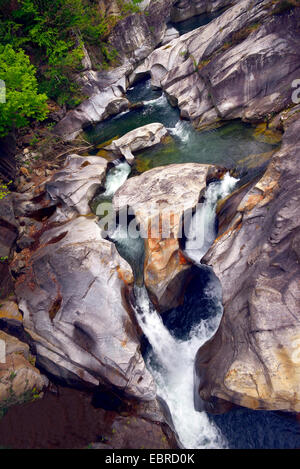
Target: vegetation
[
  {"x": 42, "y": 44},
  {"x": 23, "y": 100},
  {"x": 4, "y": 189}
]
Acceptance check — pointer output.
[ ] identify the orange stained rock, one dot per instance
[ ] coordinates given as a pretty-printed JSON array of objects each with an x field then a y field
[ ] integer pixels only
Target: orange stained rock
[{"x": 125, "y": 276}]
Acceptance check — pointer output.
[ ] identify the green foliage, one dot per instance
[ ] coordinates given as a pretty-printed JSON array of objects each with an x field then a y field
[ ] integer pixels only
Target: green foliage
[
  {"x": 23, "y": 101},
  {"x": 53, "y": 32},
  {"x": 4, "y": 189}
]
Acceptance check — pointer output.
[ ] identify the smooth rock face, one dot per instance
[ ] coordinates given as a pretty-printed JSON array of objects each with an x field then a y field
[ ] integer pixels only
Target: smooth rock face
[
  {"x": 253, "y": 360},
  {"x": 159, "y": 198},
  {"x": 240, "y": 65},
  {"x": 73, "y": 302},
  {"x": 77, "y": 183},
  {"x": 135, "y": 426},
  {"x": 138, "y": 139},
  {"x": 170, "y": 34},
  {"x": 101, "y": 105},
  {"x": 19, "y": 380}
]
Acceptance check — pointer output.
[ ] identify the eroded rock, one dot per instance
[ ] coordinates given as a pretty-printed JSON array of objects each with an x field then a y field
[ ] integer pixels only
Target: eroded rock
[
  {"x": 138, "y": 139},
  {"x": 240, "y": 65},
  {"x": 253, "y": 359},
  {"x": 77, "y": 183},
  {"x": 73, "y": 301},
  {"x": 184, "y": 9},
  {"x": 19, "y": 379}
]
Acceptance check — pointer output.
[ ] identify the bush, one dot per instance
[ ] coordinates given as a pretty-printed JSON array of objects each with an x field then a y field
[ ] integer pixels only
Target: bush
[{"x": 23, "y": 101}]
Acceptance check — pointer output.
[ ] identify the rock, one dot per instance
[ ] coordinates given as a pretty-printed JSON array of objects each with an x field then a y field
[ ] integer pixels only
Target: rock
[
  {"x": 138, "y": 139},
  {"x": 73, "y": 302},
  {"x": 8, "y": 236},
  {"x": 170, "y": 34},
  {"x": 77, "y": 183},
  {"x": 185, "y": 9},
  {"x": 8, "y": 226},
  {"x": 135, "y": 426},
  {"x": 19, "y": 379},
  {"x": 136, "y": 36},
  {"x": 253, "y": 359},
  {"x": 253, "y": 78},
  {"x": 159, "y": 198},
  {"x": 101, "y": 105},
  {"x": 9, "y": 310},
  {"x": 240, "y": 65}
]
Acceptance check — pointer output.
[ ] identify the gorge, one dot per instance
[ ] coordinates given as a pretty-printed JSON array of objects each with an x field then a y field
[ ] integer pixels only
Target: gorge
[{"x": 180, "y": 339}]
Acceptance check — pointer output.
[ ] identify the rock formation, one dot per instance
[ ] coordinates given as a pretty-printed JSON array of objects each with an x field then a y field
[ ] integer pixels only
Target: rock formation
[
  {"x": 138, "y": 139},
  {"x": 72, "y": 286},
  {"x": 19, "y": 379},
  {"x": 159, "y": 198},
  {"x": 245, "y": 70},
  {"x": 253, "y": 359},
  {"x": 134, "y": 38}
]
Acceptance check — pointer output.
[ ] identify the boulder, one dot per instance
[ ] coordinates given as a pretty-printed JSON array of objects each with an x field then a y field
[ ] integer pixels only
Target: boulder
[
  {"x": 253, "y": 360},
  {"x": 73, "y": 299},
  {"x": 170, "y": 34},
  {"x": 19, "y": 379},
  {"x": 159, "y": 198},
  {"x": 138, "y": 139},
  {"x": 77, "y": 183}
]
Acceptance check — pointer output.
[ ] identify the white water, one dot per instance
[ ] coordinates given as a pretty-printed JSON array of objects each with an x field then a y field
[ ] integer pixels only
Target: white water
[
  {"x": 116, "y": 178},
  {"x": 201, "y": 232},
  {"x": 172, "y": 365}
]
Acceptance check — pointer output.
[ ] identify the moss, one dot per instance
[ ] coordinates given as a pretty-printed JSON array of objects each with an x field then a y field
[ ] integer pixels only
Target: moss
[{"x": 263, "y": 134}]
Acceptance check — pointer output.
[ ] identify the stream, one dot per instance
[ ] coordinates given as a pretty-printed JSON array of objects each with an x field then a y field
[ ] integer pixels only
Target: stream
[{"x": 171, "y": 341}]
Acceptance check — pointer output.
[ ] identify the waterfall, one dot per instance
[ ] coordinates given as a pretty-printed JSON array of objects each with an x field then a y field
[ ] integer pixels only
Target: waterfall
[
  {"x": 160, "y": 101},
  {"x": 181, "y": 130},
  {"x": 171, "y": 361},
  {"x": 116, "y": 178},
  {"x": 202, "y": 232}
]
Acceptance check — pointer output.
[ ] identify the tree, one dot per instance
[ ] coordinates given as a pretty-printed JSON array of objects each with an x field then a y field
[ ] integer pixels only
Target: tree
[{"x": 23, "y": 101}]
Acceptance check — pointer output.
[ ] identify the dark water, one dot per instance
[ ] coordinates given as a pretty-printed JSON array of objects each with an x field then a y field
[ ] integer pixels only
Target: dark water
[
  {"x": 197, "y": 21},
  {"x": 230, "y": 145},
  {"x": 249, "y": 429}
]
